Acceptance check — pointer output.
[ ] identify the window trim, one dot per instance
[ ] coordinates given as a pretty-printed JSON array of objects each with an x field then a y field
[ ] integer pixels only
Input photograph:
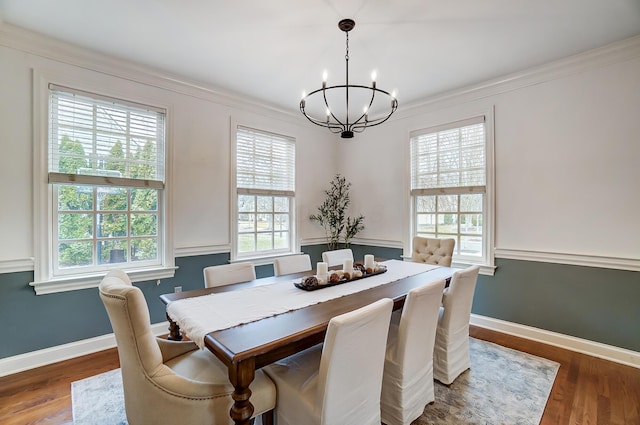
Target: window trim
[
  {"x": 268, "y": 256},
  {"x": 44, "y": 281},
  {"x": 487, "y": 263}
]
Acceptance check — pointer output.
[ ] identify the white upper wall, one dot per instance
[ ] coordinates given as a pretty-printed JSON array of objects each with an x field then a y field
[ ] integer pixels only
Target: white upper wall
[
  {"x": 200, "y": 133},
  {"x": 566, "y": 153},
  {"x": 574, "y": 144}
]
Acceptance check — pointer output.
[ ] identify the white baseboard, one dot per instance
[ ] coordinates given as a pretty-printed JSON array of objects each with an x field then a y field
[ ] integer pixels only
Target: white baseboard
[
  {"x": 59, "y": 353},
  {"x": 584, "y": 346},
  {"x": 47, "y": 356}
]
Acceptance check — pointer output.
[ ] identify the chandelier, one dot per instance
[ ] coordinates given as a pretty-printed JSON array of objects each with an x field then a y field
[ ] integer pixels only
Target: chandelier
[{"x": 338, "y": 117}]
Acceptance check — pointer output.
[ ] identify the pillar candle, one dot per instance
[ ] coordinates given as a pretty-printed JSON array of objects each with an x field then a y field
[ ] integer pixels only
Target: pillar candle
[
  {"x": 323, "y": 268},
  {"x": 347, "y": 266},
  {"x": 368, "y": 261}
]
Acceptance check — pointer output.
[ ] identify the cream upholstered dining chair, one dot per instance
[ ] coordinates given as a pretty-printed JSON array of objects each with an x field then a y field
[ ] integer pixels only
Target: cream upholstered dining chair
[
  {"x": 291, "y": 264},
  {"x": 338, "y": 382},
  {"x": 226, "y": 274},
  {"x": 169, "y": 382},
  {"x": 433, "y": 251},
  {"x": 407, "y": 385},
  {"x": 337, "y": 257},
  {"x": 451, "y": 351}
]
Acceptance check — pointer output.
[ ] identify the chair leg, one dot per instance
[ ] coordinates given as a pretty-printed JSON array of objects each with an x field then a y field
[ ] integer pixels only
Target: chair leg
[{"x": 267, "y": 418}]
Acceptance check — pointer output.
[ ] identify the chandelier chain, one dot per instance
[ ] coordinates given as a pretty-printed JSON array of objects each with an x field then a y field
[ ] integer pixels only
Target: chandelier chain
[{"x": 346, "y": 56}]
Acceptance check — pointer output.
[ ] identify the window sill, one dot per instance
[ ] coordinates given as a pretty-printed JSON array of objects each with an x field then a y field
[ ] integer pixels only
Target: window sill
[{"x": 85, "y": 281}]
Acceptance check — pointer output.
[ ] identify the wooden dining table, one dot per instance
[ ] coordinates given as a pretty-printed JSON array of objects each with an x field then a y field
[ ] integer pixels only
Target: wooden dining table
[{"x": 248, "y": 347}]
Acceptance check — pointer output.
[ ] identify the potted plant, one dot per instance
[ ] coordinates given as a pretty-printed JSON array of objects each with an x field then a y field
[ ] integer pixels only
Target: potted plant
[{"x": 332, "y": 214}]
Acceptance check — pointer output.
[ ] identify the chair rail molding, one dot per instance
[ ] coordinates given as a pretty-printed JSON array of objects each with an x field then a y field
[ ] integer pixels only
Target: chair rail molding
[
  {"x": 313, "y": 241},
  {"x": 17, "y": 265},
  {"x": 632, "y": 264},
  {"x": 189, "y": 251},
  {"x": 384, "y": 243}
]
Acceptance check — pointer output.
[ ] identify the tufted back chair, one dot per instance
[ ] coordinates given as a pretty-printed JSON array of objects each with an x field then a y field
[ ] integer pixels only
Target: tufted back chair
[
  {"x": 170, "y": 382},
  {"x": 433, "y": 251}
]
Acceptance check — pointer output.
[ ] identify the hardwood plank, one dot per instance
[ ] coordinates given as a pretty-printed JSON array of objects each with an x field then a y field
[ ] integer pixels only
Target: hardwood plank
[
  {"x": 587, "y": 390},
  {"x": 43, "y": 395}
]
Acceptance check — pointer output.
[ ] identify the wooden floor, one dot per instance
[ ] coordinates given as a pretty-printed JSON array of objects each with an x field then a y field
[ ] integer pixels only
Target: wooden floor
[{"x": 586, "y": 391}]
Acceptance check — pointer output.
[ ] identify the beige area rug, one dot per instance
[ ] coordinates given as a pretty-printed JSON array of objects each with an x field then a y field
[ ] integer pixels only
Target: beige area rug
[{"x": 503, "y": 386}]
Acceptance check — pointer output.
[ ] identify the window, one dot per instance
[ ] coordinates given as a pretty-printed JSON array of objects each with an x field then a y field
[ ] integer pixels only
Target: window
[
  {"x": 449, "y": 187},
  {"x": 265, "y": 193},
  {"x": 106, "y": 179}
]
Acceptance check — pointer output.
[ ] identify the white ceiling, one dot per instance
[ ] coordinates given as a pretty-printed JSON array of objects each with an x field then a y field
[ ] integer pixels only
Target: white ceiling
[{"x": 273, "y": 50}]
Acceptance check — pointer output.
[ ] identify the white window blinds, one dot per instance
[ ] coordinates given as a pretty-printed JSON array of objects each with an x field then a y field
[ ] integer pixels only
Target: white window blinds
[
  {"x": 449, "y": 159},
  {"x": 96, "y": 140},
  {"x": 265, "y": 163}
]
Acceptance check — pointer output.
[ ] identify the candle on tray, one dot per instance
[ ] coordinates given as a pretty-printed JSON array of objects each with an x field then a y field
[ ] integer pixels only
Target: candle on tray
[
  {"x": 347, "y": 266},
  {"x": 368, "y": 261},
  {"x": 323, "y": 268}
]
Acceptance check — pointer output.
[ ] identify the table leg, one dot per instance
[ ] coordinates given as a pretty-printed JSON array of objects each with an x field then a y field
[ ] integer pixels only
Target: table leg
[
  {"x": 174, "y": 330},
  {"x": 241, "y": 375}
]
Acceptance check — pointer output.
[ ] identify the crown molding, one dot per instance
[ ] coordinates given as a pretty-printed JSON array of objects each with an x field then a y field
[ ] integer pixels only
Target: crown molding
[
  {"x": 572, "y": 259},
  {"x": 37, "y": 44},
  {"x": 617, "y": 52}
]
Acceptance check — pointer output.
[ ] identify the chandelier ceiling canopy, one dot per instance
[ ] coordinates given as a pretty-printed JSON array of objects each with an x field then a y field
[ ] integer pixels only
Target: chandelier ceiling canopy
[{"x": 348, "y": 108}]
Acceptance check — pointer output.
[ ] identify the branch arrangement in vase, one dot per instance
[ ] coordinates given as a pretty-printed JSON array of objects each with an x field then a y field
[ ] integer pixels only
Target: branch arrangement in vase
[{"x": 332, "y": 214}]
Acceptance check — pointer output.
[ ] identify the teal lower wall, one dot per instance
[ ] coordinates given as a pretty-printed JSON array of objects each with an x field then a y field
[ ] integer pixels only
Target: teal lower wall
[
  {"x": 601, "y": 305},
  {"x": 596, "y": 304}
]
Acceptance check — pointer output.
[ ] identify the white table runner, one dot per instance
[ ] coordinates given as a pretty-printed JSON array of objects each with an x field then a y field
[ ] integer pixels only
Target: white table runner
[{"x": 200, "y": 315}]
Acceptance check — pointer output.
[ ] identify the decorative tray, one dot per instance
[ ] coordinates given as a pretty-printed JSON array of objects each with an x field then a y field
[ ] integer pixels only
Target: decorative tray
[{"x": 301, "y": 284}]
